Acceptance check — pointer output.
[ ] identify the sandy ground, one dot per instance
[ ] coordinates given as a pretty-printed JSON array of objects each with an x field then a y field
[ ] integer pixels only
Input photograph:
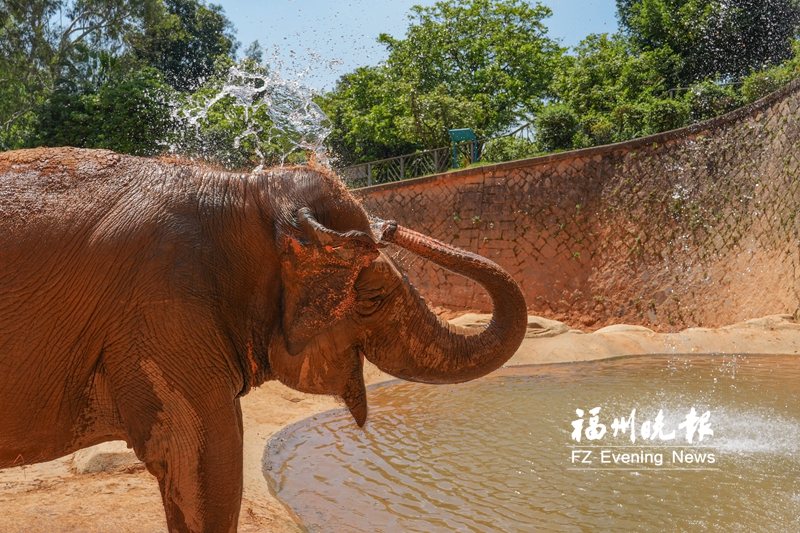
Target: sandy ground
[{"x": 53, "y": 497}]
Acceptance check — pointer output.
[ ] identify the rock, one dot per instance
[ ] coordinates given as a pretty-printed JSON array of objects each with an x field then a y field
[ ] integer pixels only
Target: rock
[
  {"x": 114, "y": 456},
  {"x": 624, "y": 328},
  {"x": 538, "y": 327},
  {"x": 768, "y": 323},
  {"x": 659, "y": 297}
]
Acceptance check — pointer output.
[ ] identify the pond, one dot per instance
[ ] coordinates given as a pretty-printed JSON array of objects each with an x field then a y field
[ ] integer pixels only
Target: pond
[{"x": 500, "y": 453}]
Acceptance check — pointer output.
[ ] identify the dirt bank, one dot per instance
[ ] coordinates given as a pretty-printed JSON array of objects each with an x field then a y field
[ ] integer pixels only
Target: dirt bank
[{"x": 52, "y": 497}]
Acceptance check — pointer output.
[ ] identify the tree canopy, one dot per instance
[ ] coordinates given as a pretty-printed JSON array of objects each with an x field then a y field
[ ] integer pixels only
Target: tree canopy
[
  {"x": 129, "y": 113},
  {"x": 714, "y": 38},
  {"x": 493, "y": 52},
  {"x": 146, "y": 76},
  {"x": 104, "y": 73},
  {"x": 186, "y": 42},
  {"x": 483, "y": 64},
  {"x": 675, "y": 62},
  {"x": 489, "y": 64},
  {"x": 39, "y": 53},
  {"x": 606, "y": 71}
]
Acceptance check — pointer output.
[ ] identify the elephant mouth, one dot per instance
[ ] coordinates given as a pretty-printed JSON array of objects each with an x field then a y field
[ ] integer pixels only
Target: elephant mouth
[{"x": 319, "y": 369}]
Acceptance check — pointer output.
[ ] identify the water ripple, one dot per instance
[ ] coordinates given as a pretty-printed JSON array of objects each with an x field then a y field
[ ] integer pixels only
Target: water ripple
[{"x": 495, "y": 454}]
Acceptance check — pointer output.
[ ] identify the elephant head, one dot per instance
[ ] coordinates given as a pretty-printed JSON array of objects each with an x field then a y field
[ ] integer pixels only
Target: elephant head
[{"x": 346, "y": 299}]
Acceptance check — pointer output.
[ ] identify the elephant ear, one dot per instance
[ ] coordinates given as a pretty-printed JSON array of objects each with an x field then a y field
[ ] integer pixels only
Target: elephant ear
[{"x": 319, "y": 268}]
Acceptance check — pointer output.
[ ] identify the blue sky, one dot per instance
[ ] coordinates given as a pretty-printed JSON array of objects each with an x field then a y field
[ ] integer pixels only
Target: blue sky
[{"x": 331, "y": 38}]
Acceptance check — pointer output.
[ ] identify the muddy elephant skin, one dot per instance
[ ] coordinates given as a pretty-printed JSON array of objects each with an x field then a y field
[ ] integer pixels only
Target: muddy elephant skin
[{"x": 141, "y": 298}]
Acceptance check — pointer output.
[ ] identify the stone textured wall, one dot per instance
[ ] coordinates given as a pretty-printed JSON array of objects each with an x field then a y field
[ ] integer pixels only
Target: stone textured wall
[{"x": 695, "y": 227}]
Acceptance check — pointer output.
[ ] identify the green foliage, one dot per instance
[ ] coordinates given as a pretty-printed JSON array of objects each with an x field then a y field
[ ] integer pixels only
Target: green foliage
[
  {"x": 665, "y": 115},
  {"x": 105, "y": 77},
  {"x": 618, "y": 91},
  {"x": 760, "y": 83},
  {"x": 621, "y": 89},
  {"x": 38, "y": 51},
  {"x": 595, "y": 130},
  {"x": 86, "y": 81},
  {"x": 187, "y": 42},
  {"x": 602, "y": 130},
  {"x": 493, "y": 52},
  {"x": 217, "y": 137},
  {"x": 129, "y": 113},
  {"x": 508, "y": 149},
  {"x": 369, "y": 117},
  {"x": 607, "y": 71},
  {"x": 709, "y": 99},
  {"x": 715, "y": 39},
  {"x": 629, "y": 120},
  {"x": 556, "y": 125},
  {"x": 249, "y": 117},
  {"x": 438, "y": 110},
  {"x": 254, "y": 53},
  {"x": 481, "y": 64}
]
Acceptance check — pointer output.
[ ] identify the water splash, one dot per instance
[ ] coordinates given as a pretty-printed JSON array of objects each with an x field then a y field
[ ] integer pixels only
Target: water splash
[
  {"x": 256, "y": 112},
  {"x": 757, "y": 431}
]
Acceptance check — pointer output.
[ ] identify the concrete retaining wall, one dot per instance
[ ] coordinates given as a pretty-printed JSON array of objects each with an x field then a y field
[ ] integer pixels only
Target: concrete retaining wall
[{"x": 694, "y": 227}]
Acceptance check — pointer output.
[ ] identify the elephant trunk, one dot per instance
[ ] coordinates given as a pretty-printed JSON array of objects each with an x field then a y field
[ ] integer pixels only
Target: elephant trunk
[{"x": 424, "y": 348}]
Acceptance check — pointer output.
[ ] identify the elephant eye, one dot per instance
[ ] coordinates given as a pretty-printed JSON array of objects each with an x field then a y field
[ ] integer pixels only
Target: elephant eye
[
  {"x": 368, "y": 307},
  {"x": 370, "y": 294},
  {"x": 370, "y": 300}
]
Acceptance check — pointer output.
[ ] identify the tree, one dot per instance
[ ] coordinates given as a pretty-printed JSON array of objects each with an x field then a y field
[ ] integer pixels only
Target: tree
[
  {"x": 619, "y": 92},
  {"x": 556, "y": 125},
  {"x": 77, "y": 71},
  {"x": 482, "y": 64},
  {"x": 492, "y": 52},
  {"x": 607, "y": 71},
  {"x": 707, "y": 99},
  {"x": 130, "y": 113},
  {"x": 369, "y": 118},
  {"x": 250, "y": 116},
  {"x": 44, "y": 41},
  {"x": 186, "y": 42},
  {"x": 714, "y": 38}
]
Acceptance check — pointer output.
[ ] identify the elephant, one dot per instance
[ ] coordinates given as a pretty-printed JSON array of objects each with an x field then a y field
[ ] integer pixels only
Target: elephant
[{"x": 141, "y": 298}]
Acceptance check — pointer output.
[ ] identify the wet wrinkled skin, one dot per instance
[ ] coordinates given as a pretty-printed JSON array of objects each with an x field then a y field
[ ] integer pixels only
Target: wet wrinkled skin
[{"x": 140, "y": 299}]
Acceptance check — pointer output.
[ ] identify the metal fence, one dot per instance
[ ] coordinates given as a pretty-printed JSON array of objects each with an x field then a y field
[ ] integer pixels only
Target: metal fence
[
  {"x": 412, "y": 165},
  {"x": 526, "y": 131},
  {"x": 424, "y": 163}
]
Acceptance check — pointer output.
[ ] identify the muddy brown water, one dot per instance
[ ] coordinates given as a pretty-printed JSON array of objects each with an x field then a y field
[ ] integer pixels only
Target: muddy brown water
[{"x": 499, "y": 454}]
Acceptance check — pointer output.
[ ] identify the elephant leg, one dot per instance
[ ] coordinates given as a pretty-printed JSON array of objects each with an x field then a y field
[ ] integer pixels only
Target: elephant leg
[
  {"x": 189, "y": 435},
  {"x": 201, "y": 486}
]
